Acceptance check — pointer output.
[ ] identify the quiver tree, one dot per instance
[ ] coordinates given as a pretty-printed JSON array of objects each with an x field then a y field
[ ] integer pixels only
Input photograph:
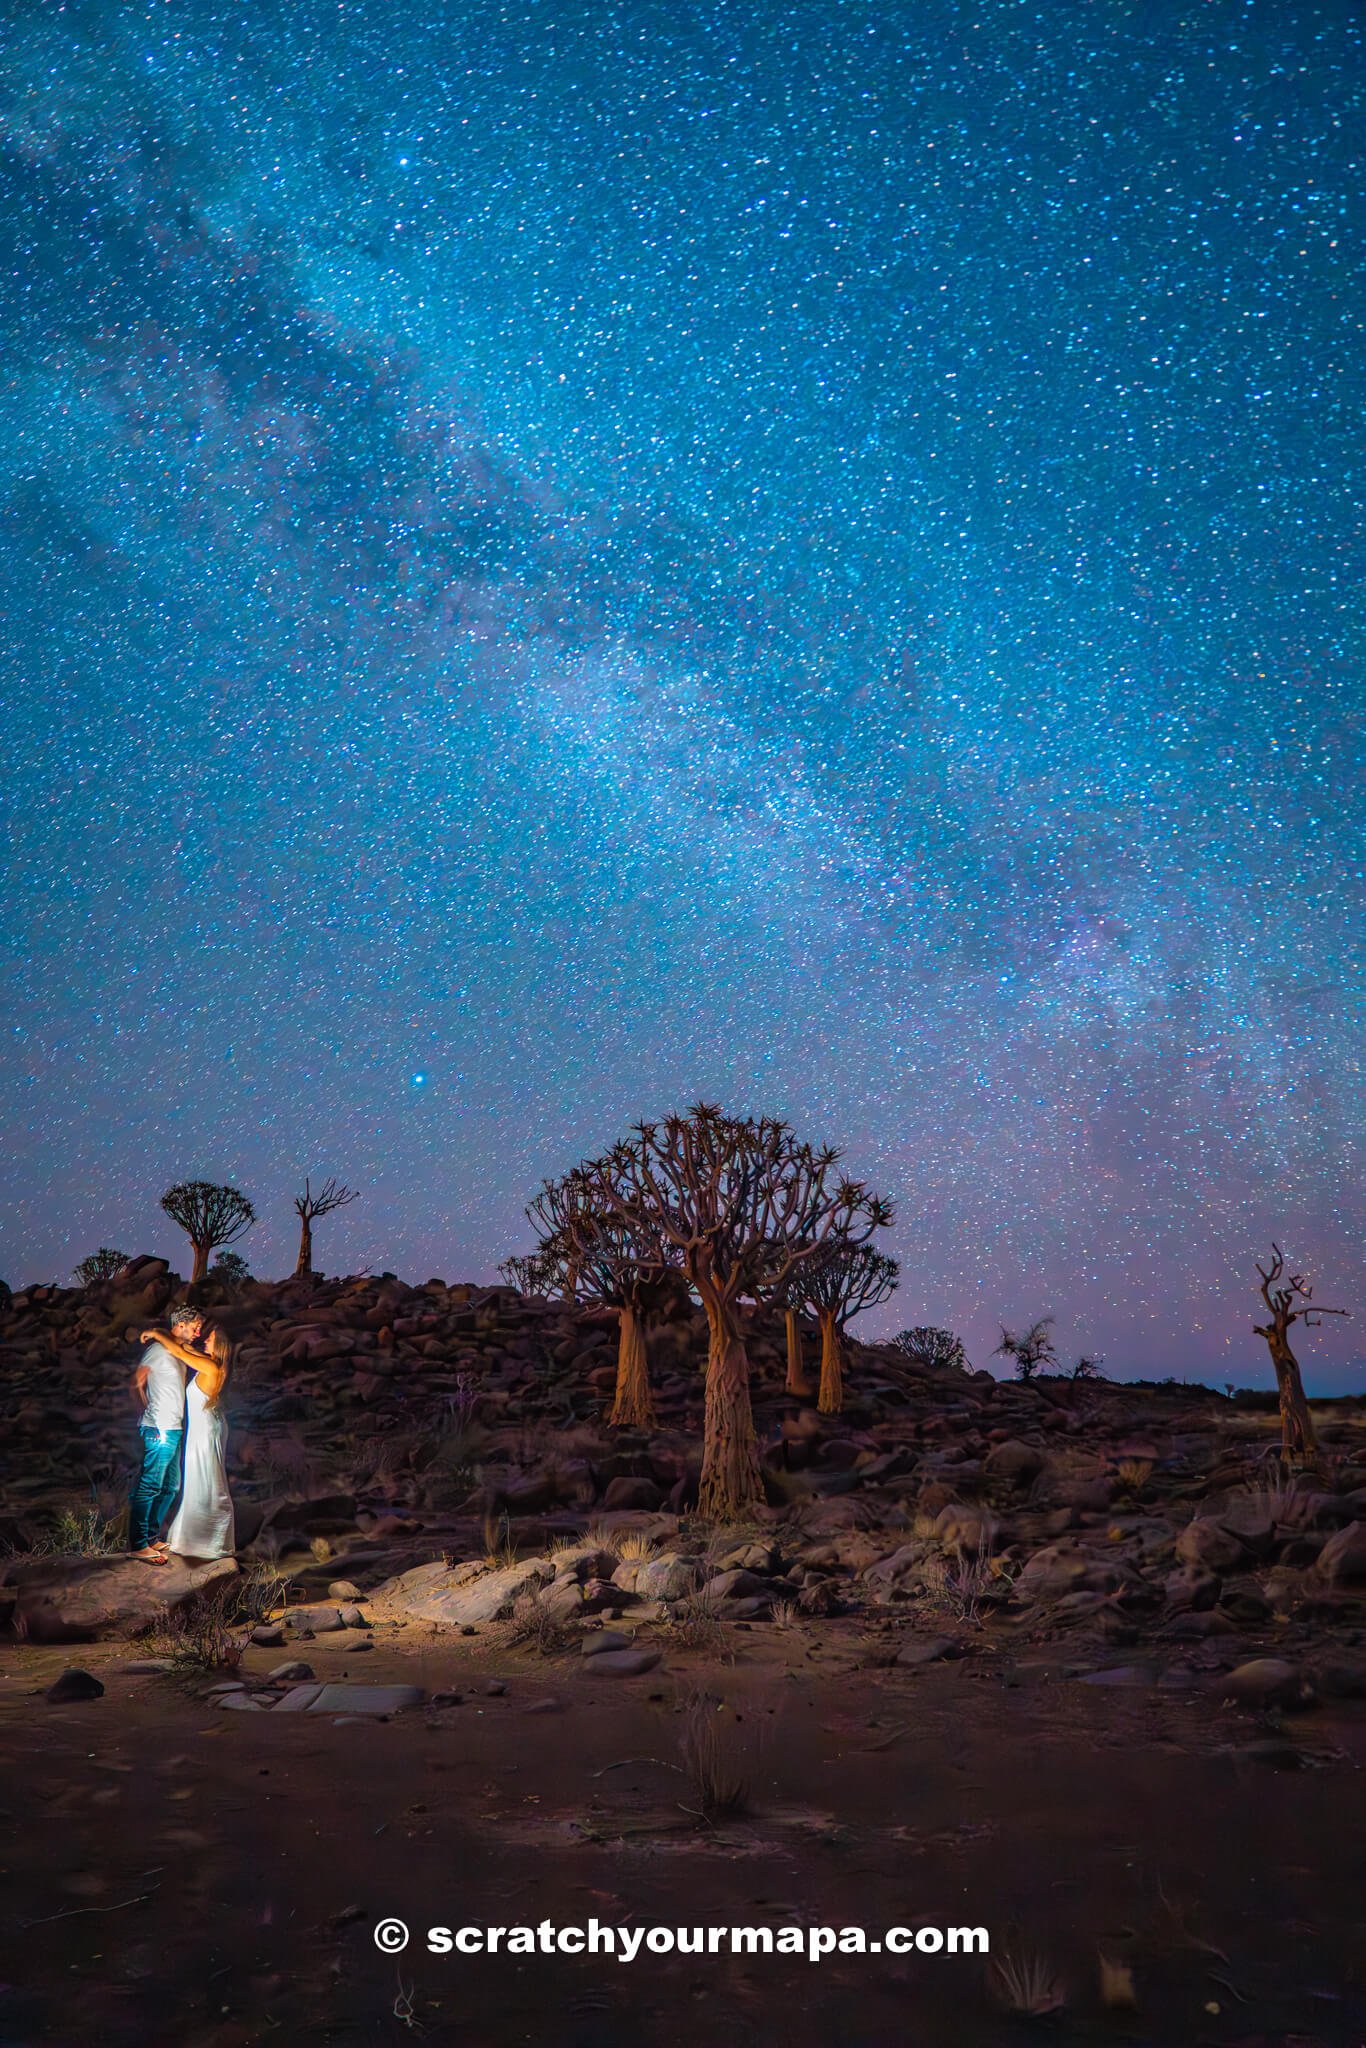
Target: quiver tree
[
  {"x": 588, "y": 1255},
  {"x": 1290, "y": 1301},
  {"x": 209, "y": 1216},
  {"x": 791, "y": 1302},
  {"x": 101, "y": 1265},
  {"x": 1030, "y": 1349},
  {"x": 329, "y": 1197},
  {"x": 849, "y": 1279},
  {"x": 744, "y": 1206}
]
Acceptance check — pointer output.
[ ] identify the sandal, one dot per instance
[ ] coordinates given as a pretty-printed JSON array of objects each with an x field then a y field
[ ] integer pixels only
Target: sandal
[{"x": 151, "y": 1557}]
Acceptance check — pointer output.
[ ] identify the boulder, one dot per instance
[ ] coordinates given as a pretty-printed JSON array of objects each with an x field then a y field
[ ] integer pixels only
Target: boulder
[
  {"x": 365, "y": 1699},
  {"x": 461, "y": 1595},
  {"x": 89, "y": 1599},
  {"x": 1342, "y": 1560},
  {"x": 1208, "y": 1542},
  {"x": 1016, "y": 1462},
  {"x": 1265, "y": 1682},
  {"x": 73, "y": 1685},
  {"x": 634, "y": 1494}
]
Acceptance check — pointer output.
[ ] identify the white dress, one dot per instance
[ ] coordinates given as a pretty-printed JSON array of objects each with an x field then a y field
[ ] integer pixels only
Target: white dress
[{"x": 203, "y": 1526}]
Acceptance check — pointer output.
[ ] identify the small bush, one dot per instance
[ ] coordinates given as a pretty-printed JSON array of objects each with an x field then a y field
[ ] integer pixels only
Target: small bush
[{"x": 718, "y": 1752}]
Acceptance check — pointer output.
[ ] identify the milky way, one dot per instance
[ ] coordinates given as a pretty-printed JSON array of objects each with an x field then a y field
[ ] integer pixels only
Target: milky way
[{"x": 562, "y": 560}]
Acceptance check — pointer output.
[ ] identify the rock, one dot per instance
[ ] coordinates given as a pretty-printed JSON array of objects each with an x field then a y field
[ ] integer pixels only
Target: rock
[
  {"x": 269, "y": 1635},
  {"x": 146, "y": 1667},
  {"x": 1208, "y": 1543},
  {"x": 736, "y": 1585},
  {"x": 294, "y": 1669},
  {"x": 495, "y": 1689},
  {"x": 624, "y": 1663},
  {"x": 298, "y": 1699},
  {"x": 658, "y": 1578},
  {"x": 239, "y": 1703},
  {"x": 928, "y": 1650},
  {"x": 1014, "y": 1461},
  {"x": 634, "y": 1494},
  {"x": 366, "y": 1699},
  {"x": 961, "y": 1529},
  {"x": 1191, "y": 1588},
  {"x": 1342, "y": 1560},
  {"x": 1053, "y": 1572},
  {"x": 89, "y": 1599},
  {"x": 342, "y": 1590},
  {"x": 351, "y": 1617},
  {"x": 314, "y": 1621},
  {"x": 461, "y": 1595},
  {"x": 603, "y": 1640},
  {"x": 73, "y": 1685},
  {"x": 1265, "y": 1682}
]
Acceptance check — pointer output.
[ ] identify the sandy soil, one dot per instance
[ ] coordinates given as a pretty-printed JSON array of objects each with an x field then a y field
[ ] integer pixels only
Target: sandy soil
[{"x": 180, "y": 1877}]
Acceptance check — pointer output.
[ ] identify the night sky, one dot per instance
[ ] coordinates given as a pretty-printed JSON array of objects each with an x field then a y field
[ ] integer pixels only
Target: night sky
[{"x": 559, "y": 560}]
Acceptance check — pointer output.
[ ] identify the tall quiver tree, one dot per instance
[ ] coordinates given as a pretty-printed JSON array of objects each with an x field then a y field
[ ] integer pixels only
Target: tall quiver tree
[
  {"x": 791, "y": 1302},
  {"x": 744, "y": 1205},
  {"x": 1290, "y": 1302},
  {"x": 310, "y": 1206},
  {"x": 209, "y": 1215},
  {"x": 849, "y": 1279},
  {"x": 586, "y": 1254}
]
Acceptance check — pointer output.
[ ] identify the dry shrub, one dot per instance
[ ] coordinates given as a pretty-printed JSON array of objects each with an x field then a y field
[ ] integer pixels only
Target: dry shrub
[
  {"x": 84, "y": 1532},
  {"x": 634, "y": 1546},
  {"x": 1134, "y": 1474},
  {"x": 208, "y": 1634},
  {"x": 719, "y": 1750},
  {"x": 533, "y": 1626},
  {"x": 1026, "y": 1983},
  {"x": 695, "y": 1624},
  {"x": 786, "y": 1614}
]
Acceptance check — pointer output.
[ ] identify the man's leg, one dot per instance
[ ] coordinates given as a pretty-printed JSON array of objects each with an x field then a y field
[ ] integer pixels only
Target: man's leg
[{"x": 157, "y": 1486}]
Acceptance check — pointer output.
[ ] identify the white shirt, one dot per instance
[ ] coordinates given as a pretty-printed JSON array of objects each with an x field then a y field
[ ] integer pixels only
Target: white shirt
[{"x": 165, "y": 1389}]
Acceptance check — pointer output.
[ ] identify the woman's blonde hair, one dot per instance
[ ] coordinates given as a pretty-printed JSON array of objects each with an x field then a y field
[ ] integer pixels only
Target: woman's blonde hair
[{"x": 220, "y": 1351}]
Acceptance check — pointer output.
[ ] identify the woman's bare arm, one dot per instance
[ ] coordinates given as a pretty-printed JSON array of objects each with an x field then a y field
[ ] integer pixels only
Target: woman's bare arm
[{"x": 186, "y": 1353}]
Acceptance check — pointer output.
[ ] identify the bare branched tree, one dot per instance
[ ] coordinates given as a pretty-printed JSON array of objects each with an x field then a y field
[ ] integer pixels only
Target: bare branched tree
[
  {"x": 209, "y": 1215},
  {"x": 849, "y": 1279},
  {"x": 1290, "y": 1302},
  {"x": 744, "y": 1205},
  {"x": 329, "y": 1197},
  {"x": 1030, "y": 1349}
]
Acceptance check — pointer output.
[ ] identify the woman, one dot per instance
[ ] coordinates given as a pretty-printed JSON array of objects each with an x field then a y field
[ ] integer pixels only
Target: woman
[{"x": 203, "y": 1525}]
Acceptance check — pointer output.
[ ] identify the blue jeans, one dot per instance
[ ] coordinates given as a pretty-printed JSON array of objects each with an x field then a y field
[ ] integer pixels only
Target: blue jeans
[{"x": 158, "y": 1483}]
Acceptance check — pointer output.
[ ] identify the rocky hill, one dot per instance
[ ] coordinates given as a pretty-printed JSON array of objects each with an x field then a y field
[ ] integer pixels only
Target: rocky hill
[{"x": 378, "y": 1427}]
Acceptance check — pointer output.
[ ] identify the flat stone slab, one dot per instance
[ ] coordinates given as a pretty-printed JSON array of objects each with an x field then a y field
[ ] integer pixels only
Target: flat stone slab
[
  {"x": 90, "y": 1599},
  {"x": 622, "y": 1663},
  {"x": 461, "y": 1595},
  {"x": 365, "y": 1699}
]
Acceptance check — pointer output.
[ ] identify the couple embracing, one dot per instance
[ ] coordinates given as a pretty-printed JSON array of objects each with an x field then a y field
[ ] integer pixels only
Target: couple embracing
[{"x": 180, "y": 1381}]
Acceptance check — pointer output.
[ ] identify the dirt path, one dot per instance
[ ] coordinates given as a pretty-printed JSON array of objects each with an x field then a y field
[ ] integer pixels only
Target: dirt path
[{"x": 180, "y": 1877}]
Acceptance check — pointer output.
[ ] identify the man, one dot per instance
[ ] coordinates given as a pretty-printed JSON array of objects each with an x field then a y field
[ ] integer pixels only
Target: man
[{"x": 160, "y": 1384}]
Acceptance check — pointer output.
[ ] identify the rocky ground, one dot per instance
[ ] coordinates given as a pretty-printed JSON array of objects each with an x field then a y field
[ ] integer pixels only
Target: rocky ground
[{"x": 1071, "y": 1660}]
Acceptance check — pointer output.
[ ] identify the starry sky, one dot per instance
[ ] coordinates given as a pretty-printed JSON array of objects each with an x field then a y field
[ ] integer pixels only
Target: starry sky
[{"x": 558, "y": 560}]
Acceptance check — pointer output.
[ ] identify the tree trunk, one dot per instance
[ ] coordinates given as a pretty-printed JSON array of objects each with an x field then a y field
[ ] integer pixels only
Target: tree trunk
[
  {"x": 832, "y": 1366},
  {"x": 731, "y": 1483},
  {"x": 1298, "y": 1442},
  {"x": 633, "y": 1407},
  {"x": 304, "y": 1264},
  {"x": 797, "y": 1382},
  {"x": 201, "y": 1263}
]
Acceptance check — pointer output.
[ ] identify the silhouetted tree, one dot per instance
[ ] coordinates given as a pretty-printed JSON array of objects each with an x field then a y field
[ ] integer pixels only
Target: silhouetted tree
[
  {"x": 849, "y": 1279},
  {"x": 209, "y": 1216},
  {"x": 1031, "y": 1349},
  {"x": 938, "y": 1350},
  {"x": 231, "y": 1267},
  {"x": 744, "y": 1204},
  {"x": 1297, "y": 1428},
  {"x": 329, "y": 1197},
  {"x": 101, "y": 1265}
]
